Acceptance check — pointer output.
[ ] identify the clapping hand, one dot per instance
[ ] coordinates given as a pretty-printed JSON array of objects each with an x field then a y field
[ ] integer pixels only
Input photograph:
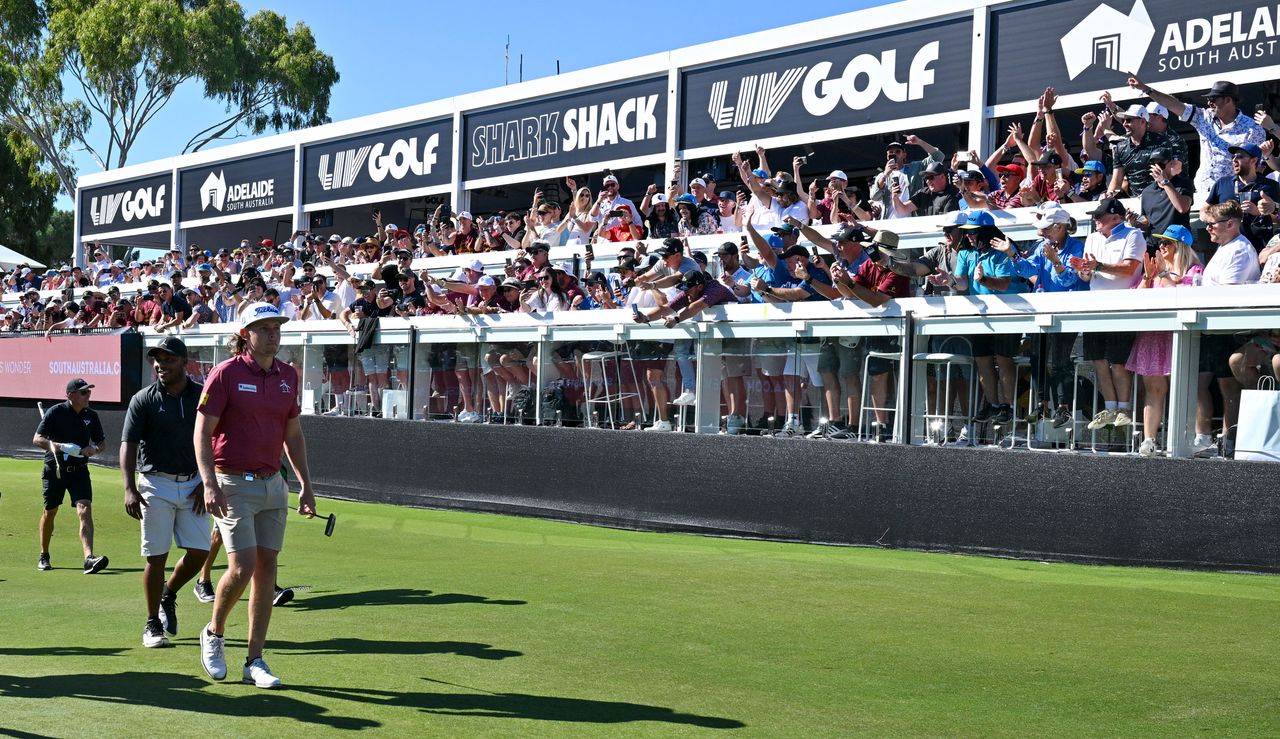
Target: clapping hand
[{"x": 1003, "y": 245}]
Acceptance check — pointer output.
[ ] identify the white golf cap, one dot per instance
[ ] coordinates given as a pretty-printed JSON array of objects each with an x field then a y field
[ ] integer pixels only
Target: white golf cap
[
  {"x": 348, "y": 240},
  {"x": 391, "y": 227},
  {"x": 485, "y": 281},
  {"x": 698, "y": 181},
  {"x": 658, "y": 198},
  {"x": 465, "y": 214},
  {"x": 1154, "y": 108},
  {"x": 1135, "y": 111},
  {"x": 1049, "y": 213},
  {"x": 476, "y": 265},
  {"x": 838, "y": 175},
  {"x": 610, "y": 178},
  {"x": 257, "y": 312},
  {"x": 954, "y": 218}
]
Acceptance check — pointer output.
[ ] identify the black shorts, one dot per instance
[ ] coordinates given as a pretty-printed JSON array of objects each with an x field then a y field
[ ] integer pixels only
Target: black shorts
[
  {"x": 1112, "y": 346},
  {"x": 1215, "y": 353},
  {"x": 997, "y": 345},
  {"x": 74, "y": 480}
]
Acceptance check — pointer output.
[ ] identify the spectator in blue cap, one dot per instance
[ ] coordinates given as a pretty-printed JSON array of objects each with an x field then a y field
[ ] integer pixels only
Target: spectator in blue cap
[
  {"x": 1092, "y": 185},
  {"x": 1173, "y": 264},
  {"x": 1249, "y": 186}
]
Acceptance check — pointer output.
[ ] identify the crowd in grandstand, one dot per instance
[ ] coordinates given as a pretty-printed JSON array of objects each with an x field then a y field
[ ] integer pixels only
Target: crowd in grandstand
[{"x": 764, "y": 213}]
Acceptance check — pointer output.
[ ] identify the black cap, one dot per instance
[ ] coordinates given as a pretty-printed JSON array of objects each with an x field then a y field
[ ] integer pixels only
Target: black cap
[
  {"x": 727, "y": 247},
  {"x": 936, "y": 168},
  {"x": 170, "y": 344},
  {"x": 77, "y": 385},
  {"x": 785, "y": 229},
  {"x": 1049, "y": 158},
  {"x": 1109, "y": 205},
  {"x": 1223, "y": 88},
  {"x": 665, "y": 251},
  {"x": 626, "y": 265},
  {"x": 796, "y": 251},
  {"x": 596, "y": 276},
  {"x": 692, "y": 279},
  {"x": 537, "y": 246},
  {"x": 851, "y": 232},
  {"x": 894, "y": 145}
]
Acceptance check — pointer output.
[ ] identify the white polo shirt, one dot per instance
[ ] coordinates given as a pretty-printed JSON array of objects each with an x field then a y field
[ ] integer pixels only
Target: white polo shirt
[{"x": 1124, "y": 243}]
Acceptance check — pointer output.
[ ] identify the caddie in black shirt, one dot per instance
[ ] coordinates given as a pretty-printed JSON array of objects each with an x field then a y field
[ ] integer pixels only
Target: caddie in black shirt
[
  {"x": 169, "y": 498},
  {"x": 69, "y": 433}
]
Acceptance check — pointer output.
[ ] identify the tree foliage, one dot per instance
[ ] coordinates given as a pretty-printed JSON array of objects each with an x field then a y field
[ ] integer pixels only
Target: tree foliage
[
  {"x": 72, "y": 65},
  {"x": 26, "y": 196}
]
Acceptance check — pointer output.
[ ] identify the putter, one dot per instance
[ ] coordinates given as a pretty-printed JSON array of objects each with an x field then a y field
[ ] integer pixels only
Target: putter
[{"x": 330, "y": 521}]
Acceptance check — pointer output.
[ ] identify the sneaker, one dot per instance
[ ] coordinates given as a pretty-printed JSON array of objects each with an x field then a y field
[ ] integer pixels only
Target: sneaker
[
  {"x": 334, "y": 411},
  {"x": 659, "y": 426},
  {"x": 824, "y": 427},
  {"x": 1061, "y": 418},
  {"x": 961, "y": 440},
  {"x": 1122, "y": 418},
  {"x": 153, "y": 635},
  {"x": 788, "y": 430},
  {"x": 203, "y": 591},
  {"x": 841, "y": 432},
  {"x": 42, "y": 564},
  {"x": 169, "y": 613},
  {"x": 211, "y": 656},
  {"x": 685, "y": 398},
  {"x": 1003, "y": 415},
  {"x": 94, "y": 565},
  {"x": 985, "y": 413},
  {"x": 259, "y": 674},
  {"x": 734, "y": 425},
  {"x": 1147, "y": 448},
  {"x": 880, "y": 432},
  {"x": 1102, "y": 420},
  {"x": 834, "y": 429},
  {"x": 283, "y": 596}
]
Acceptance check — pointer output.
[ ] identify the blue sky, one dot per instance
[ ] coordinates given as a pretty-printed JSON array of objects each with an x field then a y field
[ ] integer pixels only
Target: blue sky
[{"x": 393, "y": 54}]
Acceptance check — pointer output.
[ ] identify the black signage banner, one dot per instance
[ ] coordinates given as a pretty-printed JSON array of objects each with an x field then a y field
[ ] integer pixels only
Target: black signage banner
[
  {"x": 397, "y": 159},
  {"x": 1085, "y": 45},
  {"x": 239, "y": 186},
  {"x": 127, "y": 205},
  {"x": 894, "y": 75},
  {"x": 596, "y": 125}
]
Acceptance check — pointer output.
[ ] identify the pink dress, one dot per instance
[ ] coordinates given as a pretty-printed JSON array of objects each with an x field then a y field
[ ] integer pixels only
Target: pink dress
[{"x": 1152, "y": 352}]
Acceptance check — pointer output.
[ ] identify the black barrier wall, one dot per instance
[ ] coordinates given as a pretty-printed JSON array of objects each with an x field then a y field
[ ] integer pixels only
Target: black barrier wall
[{"x": 1044, "y": 506}]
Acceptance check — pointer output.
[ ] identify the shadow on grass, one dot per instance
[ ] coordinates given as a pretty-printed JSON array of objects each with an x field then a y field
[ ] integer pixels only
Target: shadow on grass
[
  {"x": 373, "y": 646},
  {"x": 394, "y": 597},
  {"x": 61, "y": 651},
  {"x": 16, "y": 734},
  {"x": 523, "y": 706},
  {"x": 174, "y": 691}
]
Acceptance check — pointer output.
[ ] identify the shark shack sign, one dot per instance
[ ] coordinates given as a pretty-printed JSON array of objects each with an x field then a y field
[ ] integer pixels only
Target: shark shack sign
[
  {"x": 241, "y": 186},
  {"x": 135, "y": 204},
  {"x": 863, "y": 80},
  {"x": 586, "y": 127},
  {"x": 394, "y": 160},
  {"x": 1098, "y": 43}
]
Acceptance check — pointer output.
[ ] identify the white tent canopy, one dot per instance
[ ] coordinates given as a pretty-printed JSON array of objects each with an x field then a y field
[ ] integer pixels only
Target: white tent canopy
[{"x": 10, "y": 259}]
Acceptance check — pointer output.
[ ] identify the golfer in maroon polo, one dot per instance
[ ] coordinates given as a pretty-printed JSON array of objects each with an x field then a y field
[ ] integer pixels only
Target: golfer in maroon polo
[{"x": 248, "y": 414}]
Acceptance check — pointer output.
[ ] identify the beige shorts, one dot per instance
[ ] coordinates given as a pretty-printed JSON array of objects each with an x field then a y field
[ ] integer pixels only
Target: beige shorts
[
  {"x": 168, "y": 516},
  {"x": 256, "y": 512},
  {"x": 736, "y": 358}
]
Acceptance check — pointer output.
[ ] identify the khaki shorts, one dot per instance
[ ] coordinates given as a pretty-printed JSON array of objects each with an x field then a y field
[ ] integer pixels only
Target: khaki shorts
[
  {"x": 736, "y": 358},
  {"x": 168, "y": 516},
  {"x": 256, "y": 512}
]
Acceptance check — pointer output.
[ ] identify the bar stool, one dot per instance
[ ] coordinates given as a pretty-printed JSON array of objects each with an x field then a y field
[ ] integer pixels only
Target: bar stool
[
  {"x": 357, "y": 402},
  {"x": 894, "y": 356},
  {"x": 611, "y": 395},
  {"x": 944, "y": 361},
  {"x": 1020, "y": 414},
  {"x": 1134, "y": 411}
]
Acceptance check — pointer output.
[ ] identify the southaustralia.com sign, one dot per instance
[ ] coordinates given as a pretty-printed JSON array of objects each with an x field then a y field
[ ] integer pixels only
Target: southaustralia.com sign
[
  {"x": 581, "y": 128},
  {"x": 126, "y": 206},
  {"x": 1086, "y": 45},
  {"x": 917, "y": 72}
]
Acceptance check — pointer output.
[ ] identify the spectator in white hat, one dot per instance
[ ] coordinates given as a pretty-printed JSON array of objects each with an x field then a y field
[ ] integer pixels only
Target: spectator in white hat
[
  {"x": 1132, "y": 154},
  {"x": 609, "y": 201},
  {"x": 659, "y": 220},
  {"x": 1158, "y": 126}
]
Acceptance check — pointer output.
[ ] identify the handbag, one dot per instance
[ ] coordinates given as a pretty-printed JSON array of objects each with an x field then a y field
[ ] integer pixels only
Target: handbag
[{"x": 1258, "y": 431}]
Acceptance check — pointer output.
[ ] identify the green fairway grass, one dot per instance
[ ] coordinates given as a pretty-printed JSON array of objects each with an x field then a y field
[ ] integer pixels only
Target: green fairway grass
[{"x": 453, "y": 624}]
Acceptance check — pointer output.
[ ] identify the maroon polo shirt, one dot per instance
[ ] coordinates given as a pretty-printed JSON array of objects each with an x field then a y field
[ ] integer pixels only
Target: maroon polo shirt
[{"x": 253, "y": 406}]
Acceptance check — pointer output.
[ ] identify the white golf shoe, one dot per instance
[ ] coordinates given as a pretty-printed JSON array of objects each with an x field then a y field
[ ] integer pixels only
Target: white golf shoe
[{"x": 259, "y": 674}]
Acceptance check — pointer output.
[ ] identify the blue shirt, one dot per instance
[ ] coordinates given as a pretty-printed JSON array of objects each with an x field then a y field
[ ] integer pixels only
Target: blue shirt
[
  {"x": 1046, "y": 276},
  {"x": 994, "y": 264},
  {"x": 776, "y": 276}
]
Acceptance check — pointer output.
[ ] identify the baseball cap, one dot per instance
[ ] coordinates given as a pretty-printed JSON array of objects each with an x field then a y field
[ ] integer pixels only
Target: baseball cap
[
  {"x": 971, "y": 174},
  {"x": 693, "y": 279},
  {"x": 698, "y": 181},
  {"x": 978, "y": 219},
  {"x": 77, "y": 385},
  {"x": 204, "y": 268},
  {"x": 1250, "y": 150},
  {"x": 334, "y": 238},
  {"x": 1012, "y": 168},
  {"x": 465, "y": 214},
  {"x": 170, "y": 344},
  {"x": 117, "y": 263},
  {"x": 476, "y": 265},
  {"x": 1049, "y": 158},
  {"x": 1154, "y": 108},
  {"x": 954, "y": 218},
  {"x": 594, "y": 277},
  {"x": 1092, "y": 166},
  {"x": 265, "y": 242},
  {"x": 760, "y": 173},
  {"x": 774, "y": 241},
  {"x": 838, "y": 174},
  {"x": 1050, "y": 213},
  {"x": 785, "y": 229},
  {"x": 610, "y": 178},
  {"x": 727, "y": 247},
  {"x": 626, "y": 265},
  {"x": 658, "y": 198},
  {"x": 391, "y": 227},
  {"x": 1109, "y": 205},
  {"x": 850, "y": 232},
  {"x": 259, "y": 312},
  {"x": 665, "y": 251},
  {"x": 935, "y": 168},
  {"x": 1176, "y": 233},
  {"x": 894, "y": 145},
  {"x": 538, "y": 246},
  {"x": 512, "y": 282},
  {"x": 1135, "y": 111},
  {"x": 796, "y": 250},
  {"x": 485, "y": 281}
]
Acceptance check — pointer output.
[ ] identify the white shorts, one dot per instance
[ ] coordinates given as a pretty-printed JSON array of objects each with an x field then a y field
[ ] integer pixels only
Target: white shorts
[
  {"x": 804, "y": 360},
  {"x": 168, "y": 516}
]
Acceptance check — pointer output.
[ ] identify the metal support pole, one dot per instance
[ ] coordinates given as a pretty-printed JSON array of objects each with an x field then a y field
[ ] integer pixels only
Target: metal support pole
[
  {"x": 905, "y": 367},
  {"x": 413, "y": 366}
]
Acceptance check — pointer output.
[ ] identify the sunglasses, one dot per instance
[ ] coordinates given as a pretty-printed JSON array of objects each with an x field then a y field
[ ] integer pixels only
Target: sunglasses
[
  {"x": 611, "y": 186},
  {"x": 1003, "y": 175},
  {"x": 1218, "y": 223},
  {"x": 84, "y": 392},
  {"x": 544, "y": 278}
]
